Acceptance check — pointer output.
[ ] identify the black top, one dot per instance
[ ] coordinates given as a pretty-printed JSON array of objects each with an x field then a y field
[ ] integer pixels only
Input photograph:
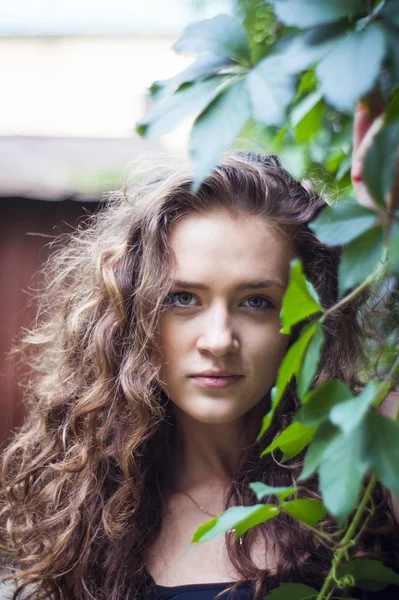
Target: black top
[
  {"x": 202, "y": 591},
  {"x": 208, "y": 591}
]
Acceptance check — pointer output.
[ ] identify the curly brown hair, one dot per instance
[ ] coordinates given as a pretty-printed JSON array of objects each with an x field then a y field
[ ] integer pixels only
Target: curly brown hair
[{"x": 85, "y": 478}]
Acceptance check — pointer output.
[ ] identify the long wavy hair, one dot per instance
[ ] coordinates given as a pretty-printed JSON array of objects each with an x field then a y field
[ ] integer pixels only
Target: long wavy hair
[{"x": 86, "y": 476}]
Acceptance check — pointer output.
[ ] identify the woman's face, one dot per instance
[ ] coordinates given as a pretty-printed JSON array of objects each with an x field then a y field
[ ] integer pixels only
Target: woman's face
[{"x": 220, "y": 340}]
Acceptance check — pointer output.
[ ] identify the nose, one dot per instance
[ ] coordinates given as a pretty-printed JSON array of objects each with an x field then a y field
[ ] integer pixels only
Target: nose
[{"x": 217, "y": 336}]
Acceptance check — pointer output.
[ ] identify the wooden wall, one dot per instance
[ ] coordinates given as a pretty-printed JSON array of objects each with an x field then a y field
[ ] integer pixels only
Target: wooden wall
[{"x": 26, "y": 228}]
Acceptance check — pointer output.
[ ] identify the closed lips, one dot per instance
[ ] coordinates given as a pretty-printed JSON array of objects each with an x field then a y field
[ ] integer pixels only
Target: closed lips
[{"x": 216, "y": 374}]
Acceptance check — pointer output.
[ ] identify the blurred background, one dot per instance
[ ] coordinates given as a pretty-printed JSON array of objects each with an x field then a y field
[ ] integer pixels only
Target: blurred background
[{"x": 74, "y": 79}]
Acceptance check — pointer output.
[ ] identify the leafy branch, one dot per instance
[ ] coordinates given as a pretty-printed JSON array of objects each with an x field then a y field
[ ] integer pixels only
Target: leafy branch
[{"x": 290, "y": 76}]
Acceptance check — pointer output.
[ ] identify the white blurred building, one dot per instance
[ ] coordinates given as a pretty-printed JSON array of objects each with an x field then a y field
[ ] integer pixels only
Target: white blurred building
[{"x": 80, "y": 69}]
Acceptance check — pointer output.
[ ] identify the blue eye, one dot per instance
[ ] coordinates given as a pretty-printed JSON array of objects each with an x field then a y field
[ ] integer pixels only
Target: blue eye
[
  {"x": 258, "y": 303},
  {"x": 180, "y": 299}
]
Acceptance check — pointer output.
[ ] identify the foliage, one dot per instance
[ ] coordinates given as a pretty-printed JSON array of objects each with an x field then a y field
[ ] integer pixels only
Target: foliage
[{"x": 289, "y": 73}]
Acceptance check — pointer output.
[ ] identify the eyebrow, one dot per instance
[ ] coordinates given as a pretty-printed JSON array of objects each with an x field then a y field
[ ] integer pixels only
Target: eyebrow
[{"x": 254, "y": 284}]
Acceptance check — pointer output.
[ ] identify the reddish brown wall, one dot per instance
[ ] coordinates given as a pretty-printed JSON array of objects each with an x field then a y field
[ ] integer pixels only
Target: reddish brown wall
[{"x": 24, "y": 229}]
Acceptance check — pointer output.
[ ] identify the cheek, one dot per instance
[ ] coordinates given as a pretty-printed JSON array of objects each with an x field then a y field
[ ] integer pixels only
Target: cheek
[
  {"x": 268, "y": 350},
  {"x": 173, "y": 340}
]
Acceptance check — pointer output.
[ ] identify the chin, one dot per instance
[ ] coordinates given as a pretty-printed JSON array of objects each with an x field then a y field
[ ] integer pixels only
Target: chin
[
  {"x": 216, "y": 414},
  {"x": 215, "y": 419}
]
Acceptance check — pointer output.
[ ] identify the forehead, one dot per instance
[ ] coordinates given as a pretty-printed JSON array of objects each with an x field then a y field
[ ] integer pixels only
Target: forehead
[{"x": 221, "y": 244}]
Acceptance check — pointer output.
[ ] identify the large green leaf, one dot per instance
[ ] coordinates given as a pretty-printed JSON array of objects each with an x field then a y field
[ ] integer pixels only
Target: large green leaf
[
  {"x": 347, "y": 415},
  {"x": 205, "y": 66},
  {"x": 318, "y": 403},
  {"x": 351, "y": 67},
  {"x": 222, "y": 35},
  {"x": 289, "y": 367},
  {"x": 261, "y": 490},
  {"x": 216, "y": 128},
  {"x": 292, "y": 440},
  {"x": 324, "y": 436},
  {"x": 371, "y": 575},
  {"x": 271, "y": 89},
  {"x": 341, "y": 472},
  {"x": 382, "y": 449},
  {"x": 342, "y": 222},
  {"x": 300, "y": 52},
  {"x": 306, "y": 510},
  {"x": 188, "y": 99},
  {"x": 379, "y": 163},
  {"x": 240, "y": 518},
  {"x": 293, "y": 591},
  {"x": 310, "y": 362},
  {"x": 360, "y": 258},
  {"x": 300, "y": 299},
  {"x": 298, "y": 13}
]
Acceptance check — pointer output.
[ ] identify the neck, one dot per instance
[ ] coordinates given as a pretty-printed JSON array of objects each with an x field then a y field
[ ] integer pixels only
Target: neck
[{"x": 207, "y": 455}]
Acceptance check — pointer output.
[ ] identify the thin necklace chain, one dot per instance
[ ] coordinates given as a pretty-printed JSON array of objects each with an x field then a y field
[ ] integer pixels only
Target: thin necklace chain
[
  {"x": 202, "y": 508},
  {"x": 208, "y": 512}
]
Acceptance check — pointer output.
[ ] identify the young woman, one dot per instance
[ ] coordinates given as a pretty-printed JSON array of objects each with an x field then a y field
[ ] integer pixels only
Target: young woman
[{"x": 152, "y": 360}]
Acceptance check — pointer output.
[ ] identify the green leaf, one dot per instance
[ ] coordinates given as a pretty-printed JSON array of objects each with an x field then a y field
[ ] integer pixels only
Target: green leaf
[
  {"x": 307, "y": 83},
  {"x": 342, "y": 222},
  {"x": 325, "y": 434},
  {"x": 216, "y": 128},
  {"x": 292, "y": 440},
  {"x": 306, "y": 510},
  {"x": 271, "y": 89},
  {"x": 313, "y": 12},
  {"x": 383, "y": 388},
  {"x": 341, "y": 472},
  {"x": 379, "y": 163},
  {"x": 300, "y": 52},
  {"x": 369, "y": 247},
  {"x": 306, "y": 117},
  {"x": 302, "y": 109},
  {"x": 393, "y": 252},
  {"x": 289, "y": 367},
  {"x": 222, "y": 35},
  {"x": 327, "y": 32},
  {"x": 318, "y": 403},
  {"x": 261, "y": 490},
  {"x": 203, "y": 530},
  {"x": 344, "y": 168},
  {"x": 351, "y": 67},
  {"x": 347, "y": 415},
  {"x": 382, "y": 449},
  {"x": 189, "y": 98},
  {"x": 240, "y": 518},
  {"x": 371, "y": 575},
  {"x": 293, "y": 591},
  {"x": 205, "y": 66},
  {"x": 300, "y": 299},
  {"x": 310, "y": 361}
]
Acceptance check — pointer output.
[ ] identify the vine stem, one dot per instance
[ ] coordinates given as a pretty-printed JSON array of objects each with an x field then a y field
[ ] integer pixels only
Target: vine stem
[
  {"x": 355, "y": 291},
  {"x": 339, "y": 554}
]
